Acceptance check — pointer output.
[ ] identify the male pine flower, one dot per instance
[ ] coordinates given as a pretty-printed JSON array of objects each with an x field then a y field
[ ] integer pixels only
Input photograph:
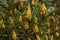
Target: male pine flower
[
  {"x": 33, "y": 3},
  {"x": 20, "y": 19},
  {"x": 52, "y": 38},
  {"x": 49, "y": 30},
  {"x": 3, "y": 26},
  {"x": 37, "y": 37},
  {"x": 11, "y": 20},
  {"x": 35, "y": 19},
  {"x": 14, "y": 36},
  {"x": 43, "y": 9},
  {"x": 26, "y": 25},
  {"x": 7, "y": 6},
  {"x": 29, "y": 38},
  {"x": 10, "y": 12},
  {"x": 15, "y": 1},
  {"x": 46, "y": 37},
  {"x": 28, "y": 15},
  {"x": 1, "y": 21},
  {"x": 35, "y": 28},
  {"x": 57, "y": 34}
]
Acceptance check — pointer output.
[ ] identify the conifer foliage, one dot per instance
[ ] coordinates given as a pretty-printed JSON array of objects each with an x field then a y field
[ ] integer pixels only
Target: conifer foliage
[{"x": 28, "y": 20}]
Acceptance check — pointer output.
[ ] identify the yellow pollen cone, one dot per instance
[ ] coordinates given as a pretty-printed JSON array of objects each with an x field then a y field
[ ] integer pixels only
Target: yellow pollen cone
[
  {"x": 29, "y": 38},
  {"x": 10, "y": 12},
  {"x": 43, "y": 9},
  {"x": 35, "y": 28},
  {"x": 28, "y": 15},
  {"x": 11, "y": 19},
  {"x": 3, "y": 26},
  {"x": 33, "y": 3},
  {"x": 35, "y": 19},
  {"x": 26, "y": 25},
  {"x": 48, "y": 24},
  {"x": 46, "y": 37},
  {"x": 14, "y": 36},
  {"x": 20, "y": 19},
  {"x": 49, "y": 31},
  {"x": 7, "y": 5},
  {"x": 52, "y": 38},
  {"x": 57, "y": 34},
  {"x": 37, "y": 37}
]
